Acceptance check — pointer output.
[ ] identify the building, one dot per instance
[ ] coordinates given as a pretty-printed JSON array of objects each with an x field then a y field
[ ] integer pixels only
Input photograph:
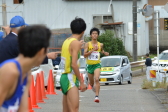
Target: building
[
  {"x": 57, "y": 14},
  {"x": 163, "y": 40}
]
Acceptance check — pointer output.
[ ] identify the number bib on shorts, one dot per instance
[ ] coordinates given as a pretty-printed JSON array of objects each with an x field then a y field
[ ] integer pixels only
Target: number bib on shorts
[{"x": 95, "y": 55}]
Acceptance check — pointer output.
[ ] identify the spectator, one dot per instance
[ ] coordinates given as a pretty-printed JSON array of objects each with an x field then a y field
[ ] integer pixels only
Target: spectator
[
  {"x": 9, "y": 45},
  {"x": 57, "y": 60},
  {"x": 148, "y": 64}
]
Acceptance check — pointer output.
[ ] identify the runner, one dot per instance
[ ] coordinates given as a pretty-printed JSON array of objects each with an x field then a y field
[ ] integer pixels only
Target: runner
[
  {"x": 15, "y": 74},
  {"x": 92, "y": 53},
  {"x": 71, "y": 76}
]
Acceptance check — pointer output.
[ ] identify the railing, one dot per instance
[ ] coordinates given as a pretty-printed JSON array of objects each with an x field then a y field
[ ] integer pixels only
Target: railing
[{"x": 140, "y": 64}]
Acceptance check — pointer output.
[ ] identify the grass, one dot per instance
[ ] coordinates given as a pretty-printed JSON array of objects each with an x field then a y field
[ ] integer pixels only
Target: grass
[{"x": 148, "y": 85}]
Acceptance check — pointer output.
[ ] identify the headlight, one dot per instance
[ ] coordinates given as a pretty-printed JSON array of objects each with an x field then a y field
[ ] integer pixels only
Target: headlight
[{"x": 116, "y": 70}]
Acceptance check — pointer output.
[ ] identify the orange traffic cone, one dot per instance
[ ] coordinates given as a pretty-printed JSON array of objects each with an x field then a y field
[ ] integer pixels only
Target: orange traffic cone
[
  {"x": 38, "y": 90},
  {"x": 33, "y": 94},
  {"x": 89, "y": 86},
  {"x": 50, "y": 88},
  {"x": 42, "y": 85},
  {"x": 30, "y": 105}
]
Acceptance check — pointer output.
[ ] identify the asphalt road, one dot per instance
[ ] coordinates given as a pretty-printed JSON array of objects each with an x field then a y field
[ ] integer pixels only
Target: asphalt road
[{"x": 113, "y": 98}]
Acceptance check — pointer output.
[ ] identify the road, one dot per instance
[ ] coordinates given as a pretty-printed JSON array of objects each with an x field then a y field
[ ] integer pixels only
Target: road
[{"x": 113, "y": 98}]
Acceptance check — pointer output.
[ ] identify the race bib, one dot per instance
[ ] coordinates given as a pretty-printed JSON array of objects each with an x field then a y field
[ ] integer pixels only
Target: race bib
[
  {"x": 13, "y": 108},
  {"x": 94, "y": 55},
  {"x": 62, "y": 63}
]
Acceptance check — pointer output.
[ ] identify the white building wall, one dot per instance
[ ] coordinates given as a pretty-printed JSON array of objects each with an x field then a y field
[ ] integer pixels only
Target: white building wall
[{"x": 58, "y": 14}]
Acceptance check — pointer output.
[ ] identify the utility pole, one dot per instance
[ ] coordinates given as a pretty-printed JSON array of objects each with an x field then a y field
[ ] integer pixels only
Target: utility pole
[
  {"x": 4, "y": 17},
  {"x": 134, "y": 30}
]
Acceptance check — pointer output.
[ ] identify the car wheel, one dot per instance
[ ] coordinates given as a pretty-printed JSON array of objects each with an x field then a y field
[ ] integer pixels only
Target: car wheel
[
  {"x": 130, "y": 79},
  {"x": 121, "y": 80},
  {"x": 106, "y": 83}
]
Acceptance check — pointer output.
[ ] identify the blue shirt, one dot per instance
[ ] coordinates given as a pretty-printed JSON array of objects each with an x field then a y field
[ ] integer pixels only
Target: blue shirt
[{"x": 15, "y": 100}]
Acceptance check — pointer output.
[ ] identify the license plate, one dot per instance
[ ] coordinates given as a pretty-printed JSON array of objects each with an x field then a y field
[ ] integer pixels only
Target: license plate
[{"x": 103, "y": 79}]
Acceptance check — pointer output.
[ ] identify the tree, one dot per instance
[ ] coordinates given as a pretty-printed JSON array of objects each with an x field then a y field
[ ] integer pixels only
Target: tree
[{"x": 111, "y": 44}]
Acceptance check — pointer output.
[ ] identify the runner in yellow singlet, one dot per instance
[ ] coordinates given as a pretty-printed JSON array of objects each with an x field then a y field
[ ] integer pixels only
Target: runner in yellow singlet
[
  {"x": 92, "y": 54},
  {"x": 70, "y": 78}
]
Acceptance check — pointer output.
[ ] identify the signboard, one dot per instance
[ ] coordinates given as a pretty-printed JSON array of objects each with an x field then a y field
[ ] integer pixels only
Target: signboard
[
  {"x": 161, "y": 9},
  {"x": 166, "y": 23}
]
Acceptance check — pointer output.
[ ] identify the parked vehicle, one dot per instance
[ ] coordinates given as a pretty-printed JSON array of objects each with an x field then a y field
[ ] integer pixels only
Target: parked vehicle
[
  {"x": 163, "y": 62},
  {"x": 115, "y": 69},
  {"x": 82, "y": 69},
  {"x": 45, "y": 68}
]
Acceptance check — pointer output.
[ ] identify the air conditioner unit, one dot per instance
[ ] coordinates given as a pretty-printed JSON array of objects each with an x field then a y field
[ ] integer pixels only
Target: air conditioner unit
[{"x": 99, "y": 19}]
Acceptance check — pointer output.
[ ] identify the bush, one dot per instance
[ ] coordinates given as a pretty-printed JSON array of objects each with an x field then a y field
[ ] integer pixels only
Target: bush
[{"x": 111, "y": 44}]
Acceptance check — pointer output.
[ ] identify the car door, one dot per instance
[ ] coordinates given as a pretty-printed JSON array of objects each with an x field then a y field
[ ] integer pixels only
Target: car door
[
  {"x": 127, "y": 69},
  {"x": 123, "y": 72}
]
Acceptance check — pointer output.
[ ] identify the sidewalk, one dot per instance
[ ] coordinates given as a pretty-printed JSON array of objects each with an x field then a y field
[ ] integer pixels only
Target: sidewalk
[{"x": 162, "y": 95}]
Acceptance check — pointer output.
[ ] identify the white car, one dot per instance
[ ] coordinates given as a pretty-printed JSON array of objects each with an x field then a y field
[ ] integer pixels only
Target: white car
[
  {"x": 115, "y": 69},
  {"x": 163, "y": 62},
  {"x": 46, "y": 69},
  {"x": 82, "y": 69}
]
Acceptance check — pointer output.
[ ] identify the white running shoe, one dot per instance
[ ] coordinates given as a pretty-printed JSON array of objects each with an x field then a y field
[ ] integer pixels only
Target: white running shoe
[
  {"x": 97, "y": 100},
  {"x": 93, "y": 89}
]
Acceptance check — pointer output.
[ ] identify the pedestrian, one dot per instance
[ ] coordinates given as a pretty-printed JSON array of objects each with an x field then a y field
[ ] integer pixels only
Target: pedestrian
[
  {"x": 92, "y": 50},
  {"x": 148, "y": 64},
  {"x": 9, "y": 45},
  {"x": 70, "y": 77},
  {"x": 15, "y": 73}
]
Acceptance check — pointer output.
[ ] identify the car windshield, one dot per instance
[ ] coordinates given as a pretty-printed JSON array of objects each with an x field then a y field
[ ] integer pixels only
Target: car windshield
[
  {"x": 110, "y": 62},
  {"x": 82, "y": 64},
  {"x": 163, "y": 56}
]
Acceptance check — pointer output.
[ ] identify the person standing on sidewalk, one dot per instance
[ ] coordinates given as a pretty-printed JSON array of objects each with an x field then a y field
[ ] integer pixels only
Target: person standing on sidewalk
[
  {"x": 92, "y": 54},
  {"x": 148, "y": 64}
]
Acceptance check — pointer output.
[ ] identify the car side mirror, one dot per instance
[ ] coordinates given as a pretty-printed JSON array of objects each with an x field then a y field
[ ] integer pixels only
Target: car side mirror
[{"x": 124, "y": 64}]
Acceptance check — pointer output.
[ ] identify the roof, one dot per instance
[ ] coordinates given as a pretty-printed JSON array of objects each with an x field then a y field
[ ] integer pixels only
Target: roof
[
  {"x": 114, "y": 56},
  {"x": 165, "y": 51},
  {"x": 107, "y": 24}
]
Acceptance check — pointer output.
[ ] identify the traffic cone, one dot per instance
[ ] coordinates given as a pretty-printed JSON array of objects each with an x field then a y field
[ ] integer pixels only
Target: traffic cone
[
  {"x": 30, "y": 105},
  {"x": 50, "y": 88},
  {"x": 33, "y": 94},
  {"x": 38, "y": 90},
  {"x": 42, "y": 85},
  {"x": 89, "y": 86}
]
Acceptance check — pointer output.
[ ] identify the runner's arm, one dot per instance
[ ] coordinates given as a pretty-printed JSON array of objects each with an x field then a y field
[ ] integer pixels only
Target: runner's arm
[
  {"x": 24, "y": 101},
  {"x": 8, "y": 78},
  {"x": 102, "y": 50},
  {"x": 86, "y": 53},
  {"x": 75, "y": 47}
]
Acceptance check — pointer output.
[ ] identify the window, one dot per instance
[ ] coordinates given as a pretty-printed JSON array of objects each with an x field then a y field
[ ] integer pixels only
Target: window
[
  {"x": 18, "y": 1},
  {"x": 126, "y": 61}
]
